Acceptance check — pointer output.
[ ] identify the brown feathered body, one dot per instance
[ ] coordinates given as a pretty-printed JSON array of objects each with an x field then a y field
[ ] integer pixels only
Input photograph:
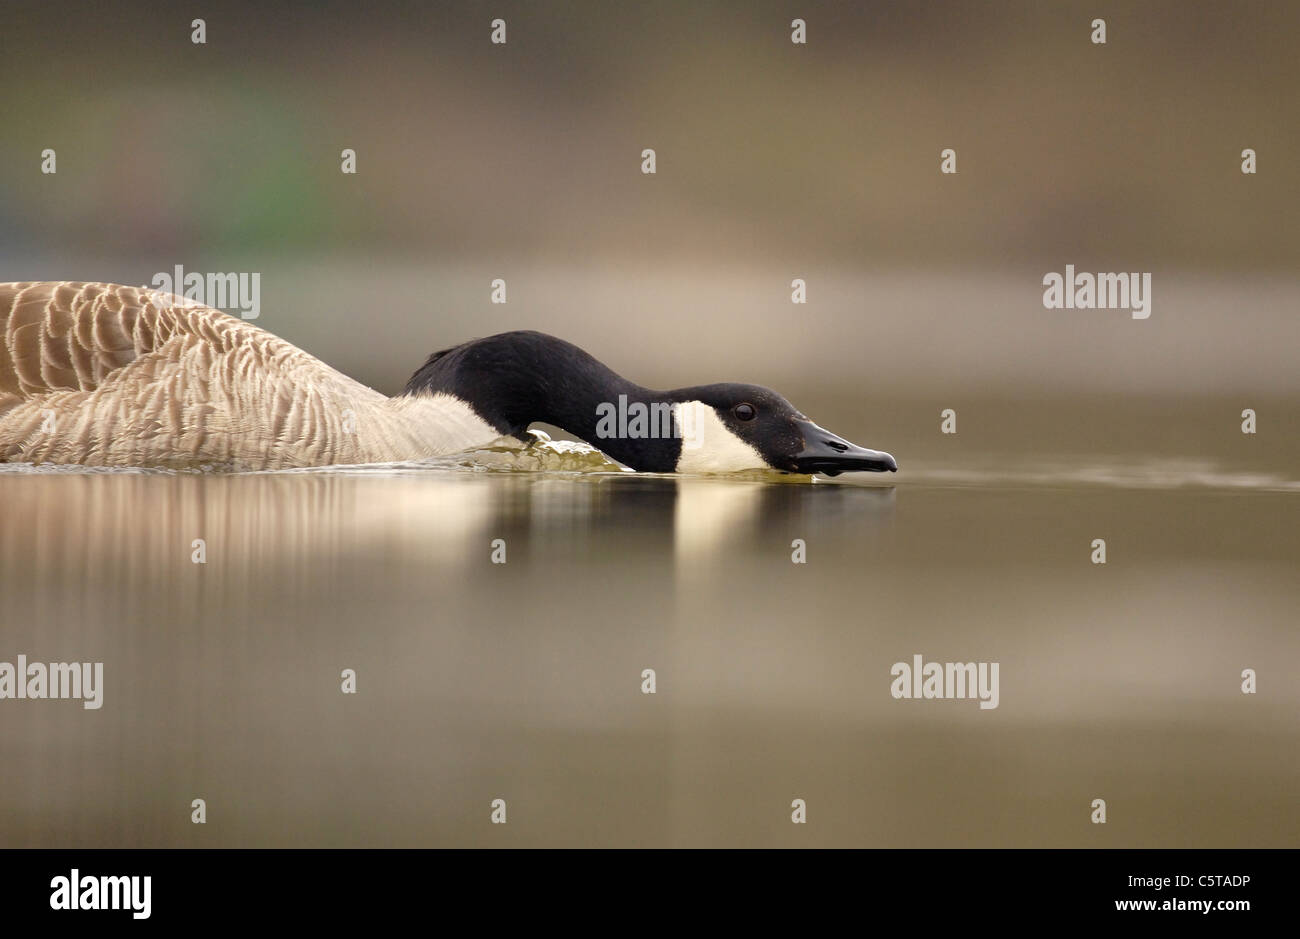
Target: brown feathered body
[{"x": 107, "y": 375}]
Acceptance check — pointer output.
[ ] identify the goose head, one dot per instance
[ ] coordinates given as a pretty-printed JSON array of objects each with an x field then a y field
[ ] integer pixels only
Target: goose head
[
  {"x": 514, "y": 379},
  {"x": 729, "y": 427}
]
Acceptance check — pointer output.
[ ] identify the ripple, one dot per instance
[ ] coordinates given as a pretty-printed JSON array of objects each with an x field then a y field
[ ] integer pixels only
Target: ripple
[{"x": 1133, "y": 473}]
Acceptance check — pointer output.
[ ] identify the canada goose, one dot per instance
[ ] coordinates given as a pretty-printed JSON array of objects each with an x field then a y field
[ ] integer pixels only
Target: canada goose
[{"x": 107, "y": 375}]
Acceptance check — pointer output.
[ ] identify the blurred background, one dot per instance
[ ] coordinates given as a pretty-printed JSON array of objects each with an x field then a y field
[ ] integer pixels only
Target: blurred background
[{"x": 775, "y": 161}]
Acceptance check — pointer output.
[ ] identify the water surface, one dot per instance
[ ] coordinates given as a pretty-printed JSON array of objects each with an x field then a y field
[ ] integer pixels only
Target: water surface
[{"x": 522, "y": 680}]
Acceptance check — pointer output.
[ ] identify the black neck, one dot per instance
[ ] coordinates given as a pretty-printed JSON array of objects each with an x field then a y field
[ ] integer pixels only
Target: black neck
[{"x": 515, "y": 379}]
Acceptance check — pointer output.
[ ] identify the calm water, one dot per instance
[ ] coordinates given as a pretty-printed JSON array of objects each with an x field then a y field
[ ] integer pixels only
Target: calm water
[{"x": 522, "y": 681}]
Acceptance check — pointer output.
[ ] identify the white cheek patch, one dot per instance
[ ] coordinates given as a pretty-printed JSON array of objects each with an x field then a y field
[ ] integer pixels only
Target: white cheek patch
[{"x": 708, "y": 446}]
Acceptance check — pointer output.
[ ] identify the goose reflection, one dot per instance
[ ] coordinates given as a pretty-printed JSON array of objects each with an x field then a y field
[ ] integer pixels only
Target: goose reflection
[{"x": 147, "y": 533}]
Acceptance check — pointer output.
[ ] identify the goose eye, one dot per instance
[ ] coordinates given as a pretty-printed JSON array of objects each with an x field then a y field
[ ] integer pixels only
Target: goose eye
[{"x": 744, "y": 412}]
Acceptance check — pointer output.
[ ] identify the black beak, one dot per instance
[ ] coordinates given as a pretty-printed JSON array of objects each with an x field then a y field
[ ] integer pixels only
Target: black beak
[{"x": 823, "y": 452}]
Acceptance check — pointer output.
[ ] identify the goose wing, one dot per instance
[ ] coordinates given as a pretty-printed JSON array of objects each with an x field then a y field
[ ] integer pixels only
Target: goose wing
[
  {"x": 133, "y": 376},
  {"x": 69, "y": 336}
]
